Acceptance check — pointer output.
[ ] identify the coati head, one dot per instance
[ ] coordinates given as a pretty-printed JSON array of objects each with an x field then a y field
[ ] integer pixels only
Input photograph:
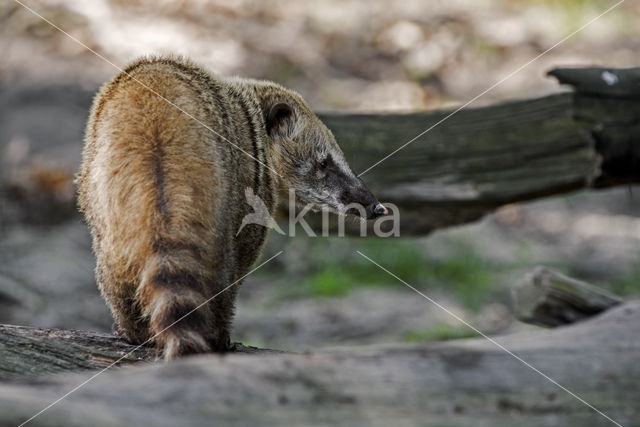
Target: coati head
[{"x": 308, "y": 158}]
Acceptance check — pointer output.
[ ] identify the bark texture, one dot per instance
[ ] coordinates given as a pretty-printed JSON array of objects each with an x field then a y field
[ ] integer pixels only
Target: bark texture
[{"x": 31, "y": 352}]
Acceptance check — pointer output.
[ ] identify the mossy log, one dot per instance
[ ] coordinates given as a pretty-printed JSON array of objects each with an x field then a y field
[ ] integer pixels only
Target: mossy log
[
  {"x": 548, "y": 298},
  {"x": 455, "y": 383}
]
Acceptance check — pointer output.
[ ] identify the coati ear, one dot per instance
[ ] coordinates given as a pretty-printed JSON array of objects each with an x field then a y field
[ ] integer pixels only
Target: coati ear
[{"x": 278, "y": 117}]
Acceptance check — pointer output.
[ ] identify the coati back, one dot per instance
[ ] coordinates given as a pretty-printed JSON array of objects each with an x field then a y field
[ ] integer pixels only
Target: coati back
[{"x": 169, "y": 152}]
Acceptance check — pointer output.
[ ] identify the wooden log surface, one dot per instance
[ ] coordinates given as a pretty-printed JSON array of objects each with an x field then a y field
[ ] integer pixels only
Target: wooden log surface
[
  {"x": 455, "y": 383},
  {"x": 27, "y": 352},
  {"x": 548, "y": 298}
]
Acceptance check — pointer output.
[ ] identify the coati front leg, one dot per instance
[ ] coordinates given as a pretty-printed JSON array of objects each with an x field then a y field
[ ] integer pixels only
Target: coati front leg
[
  {"x": 223, "y": 309},
  {"x": 119, "y": 295}
]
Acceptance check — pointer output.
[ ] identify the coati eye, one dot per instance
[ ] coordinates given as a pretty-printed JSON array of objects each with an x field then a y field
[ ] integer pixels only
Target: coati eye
[{"x": 324, "y": 164}]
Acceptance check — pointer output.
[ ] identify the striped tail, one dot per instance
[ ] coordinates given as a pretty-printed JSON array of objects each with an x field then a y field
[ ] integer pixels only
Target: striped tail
[{"x": 173, "y": 294}]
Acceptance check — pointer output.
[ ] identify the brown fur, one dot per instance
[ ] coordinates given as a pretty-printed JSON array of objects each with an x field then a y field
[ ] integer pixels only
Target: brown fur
[{"x": 164, "y": 195}]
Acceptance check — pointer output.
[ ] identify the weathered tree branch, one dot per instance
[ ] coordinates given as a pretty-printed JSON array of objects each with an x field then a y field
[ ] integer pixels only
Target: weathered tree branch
[
  {"x": 548, "y": 298},
  {"x": 605, "y": 82},
  {"x": 456, "y": 383}
]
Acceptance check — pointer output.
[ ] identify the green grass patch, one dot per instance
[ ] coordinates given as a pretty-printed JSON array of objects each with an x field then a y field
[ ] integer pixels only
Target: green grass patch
[
  {"x": 439, "y": 332},
  {"x": 339, "y": 277},
  {"x": 464, "y": 274},
  {"x": 629, "y": 284}
]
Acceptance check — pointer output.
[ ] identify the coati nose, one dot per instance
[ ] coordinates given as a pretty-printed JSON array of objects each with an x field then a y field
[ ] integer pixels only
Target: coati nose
[
  {"x": 380, "y": 209},
  {"x": 377, "y": 209}
]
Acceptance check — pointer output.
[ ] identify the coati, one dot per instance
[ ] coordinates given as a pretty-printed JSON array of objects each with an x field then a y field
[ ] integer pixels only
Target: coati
[{"x": 169, "y": 151}]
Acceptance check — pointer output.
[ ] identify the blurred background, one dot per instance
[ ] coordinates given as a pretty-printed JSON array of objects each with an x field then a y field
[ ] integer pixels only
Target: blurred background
[{"x": 340, "y": 55}]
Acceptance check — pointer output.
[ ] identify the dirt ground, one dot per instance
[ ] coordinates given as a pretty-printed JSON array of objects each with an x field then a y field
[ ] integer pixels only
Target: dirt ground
[{"x": 348, "y": 55}]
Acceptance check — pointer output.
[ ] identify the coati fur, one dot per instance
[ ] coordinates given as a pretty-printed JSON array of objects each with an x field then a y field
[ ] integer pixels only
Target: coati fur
[{"x": 169, "y": 151}]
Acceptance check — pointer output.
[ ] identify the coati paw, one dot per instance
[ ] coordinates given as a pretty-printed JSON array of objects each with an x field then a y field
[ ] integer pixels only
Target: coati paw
[
  {"x": 114, "y": 330},
  {"x": 222, "y": 343}
]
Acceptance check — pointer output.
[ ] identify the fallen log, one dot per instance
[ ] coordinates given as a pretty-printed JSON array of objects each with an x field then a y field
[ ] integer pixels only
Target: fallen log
[
  {"x": 455, "y": 383},
  {"x": 548, "y": 298},
  {"x": 31, "y": 352},
  {"x": 472, "y": 162}
]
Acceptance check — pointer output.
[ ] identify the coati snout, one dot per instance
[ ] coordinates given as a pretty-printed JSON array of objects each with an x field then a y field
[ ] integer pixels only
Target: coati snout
[
  {"x": 358, "y": 200},
  {"x": 315, "y": 165},
  {"x": 355, "y": 198}
]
